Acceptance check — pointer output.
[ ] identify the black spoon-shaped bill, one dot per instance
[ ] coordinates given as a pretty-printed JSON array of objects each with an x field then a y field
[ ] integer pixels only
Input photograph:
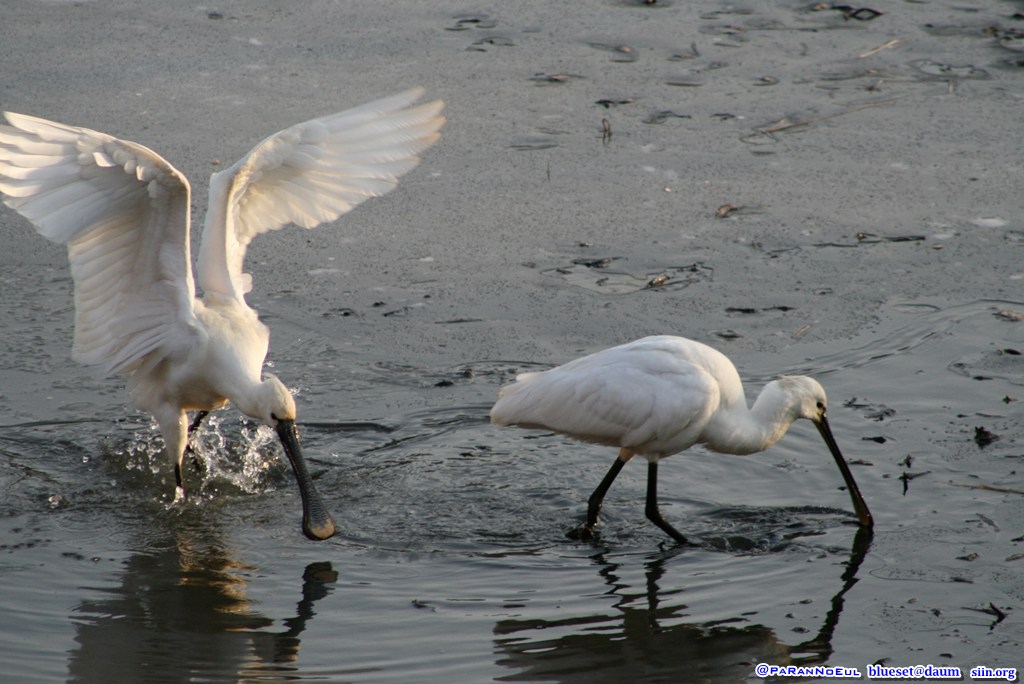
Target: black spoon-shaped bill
[
  {"x": 859, "y": 505},
  {"x": 317, "y": 523}
]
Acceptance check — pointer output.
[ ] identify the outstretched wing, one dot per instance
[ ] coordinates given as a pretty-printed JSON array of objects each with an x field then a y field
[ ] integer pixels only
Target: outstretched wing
[
  {"x": 639, "y": 395},
  {"x": 123, "y": 213},
  {"x": 310, "y": 174}
]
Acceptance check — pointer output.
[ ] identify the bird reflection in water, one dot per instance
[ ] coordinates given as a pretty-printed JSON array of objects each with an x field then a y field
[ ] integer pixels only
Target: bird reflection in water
[
  {"x": 181, "y": 611},
  {"x": 642, "y": 650}
]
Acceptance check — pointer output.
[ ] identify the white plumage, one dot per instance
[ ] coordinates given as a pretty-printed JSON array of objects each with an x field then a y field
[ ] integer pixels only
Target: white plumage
[
  {"x": 658, "y": 396},
  {"x": 124, "y": 214}
]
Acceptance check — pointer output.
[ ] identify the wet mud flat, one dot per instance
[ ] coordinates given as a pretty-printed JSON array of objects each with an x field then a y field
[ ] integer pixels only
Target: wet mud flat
[{"x": 809, "y": 188}]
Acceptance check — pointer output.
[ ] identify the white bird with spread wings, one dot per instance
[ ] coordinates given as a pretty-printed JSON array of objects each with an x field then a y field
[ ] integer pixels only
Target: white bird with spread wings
[{"x": 124, "y": 213}]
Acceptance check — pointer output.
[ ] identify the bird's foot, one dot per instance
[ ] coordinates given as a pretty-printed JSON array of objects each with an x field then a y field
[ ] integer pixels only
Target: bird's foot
[
  {"x": 677, "y": 545},
  {"x": 583, "y": 533},
  {"x": 680, "y": 542},
  {"x": 180, "y": 496}
]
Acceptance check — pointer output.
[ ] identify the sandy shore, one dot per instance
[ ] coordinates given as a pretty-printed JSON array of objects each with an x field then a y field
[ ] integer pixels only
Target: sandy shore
[{"x": 866, "y": 160}]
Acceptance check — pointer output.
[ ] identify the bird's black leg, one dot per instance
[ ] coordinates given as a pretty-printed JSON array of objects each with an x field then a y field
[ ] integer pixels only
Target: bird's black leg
[
  {"x": 653, "y": 514},
  {"x": 178, "y": 479},
  {"x": 197, "y": 420},
  {"x": 193, "y": 426},
  {"x": 595, "y": 500}
]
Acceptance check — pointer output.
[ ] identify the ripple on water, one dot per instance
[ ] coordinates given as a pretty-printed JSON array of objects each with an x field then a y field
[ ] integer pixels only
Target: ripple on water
[{"x": 453, "y": 534}]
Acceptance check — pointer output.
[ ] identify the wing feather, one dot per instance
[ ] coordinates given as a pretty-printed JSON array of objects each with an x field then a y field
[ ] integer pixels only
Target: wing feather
[
  {"x": 123, "y": 213},
  {"x": 309, "y": 174},
  {"x": 641, "y": 397}
]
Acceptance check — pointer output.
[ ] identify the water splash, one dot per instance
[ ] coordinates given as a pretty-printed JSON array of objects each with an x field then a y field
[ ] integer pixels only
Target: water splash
[{"x": 227, "y": 455}]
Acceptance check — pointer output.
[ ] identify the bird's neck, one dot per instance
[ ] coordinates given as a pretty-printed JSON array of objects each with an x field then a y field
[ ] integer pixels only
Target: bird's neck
[
  {"x": 247, "y": 400},
  {"x": 741, "y": 430}
]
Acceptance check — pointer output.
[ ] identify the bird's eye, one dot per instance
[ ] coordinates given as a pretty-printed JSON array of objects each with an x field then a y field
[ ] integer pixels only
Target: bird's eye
[
  {"x": 274, "y": 415},
  {"x": 821, "y": 406}
]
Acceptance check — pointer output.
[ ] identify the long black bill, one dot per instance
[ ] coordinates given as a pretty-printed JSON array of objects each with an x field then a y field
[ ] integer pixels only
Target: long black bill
[
  {"x": 859, "y": 505},
  {"x": 317, "y": 523}
]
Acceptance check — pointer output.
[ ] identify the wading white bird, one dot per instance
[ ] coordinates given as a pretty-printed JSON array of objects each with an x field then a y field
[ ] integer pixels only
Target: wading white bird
[
  {"x": 124, "y": 214},
  {"x": 660, "y": 395}
]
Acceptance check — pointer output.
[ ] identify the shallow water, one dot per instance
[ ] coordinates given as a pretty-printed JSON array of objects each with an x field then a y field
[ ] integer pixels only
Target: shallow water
[{"x": 452, "y": 563}]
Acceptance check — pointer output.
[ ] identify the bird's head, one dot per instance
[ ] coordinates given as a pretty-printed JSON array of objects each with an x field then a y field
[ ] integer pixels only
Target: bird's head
[
  {"x": 277, "y": 408},
  {"x": 806, "y": 395},
  {"x": 807, "y": 400},
  {"x": 276, "y": 403}
]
